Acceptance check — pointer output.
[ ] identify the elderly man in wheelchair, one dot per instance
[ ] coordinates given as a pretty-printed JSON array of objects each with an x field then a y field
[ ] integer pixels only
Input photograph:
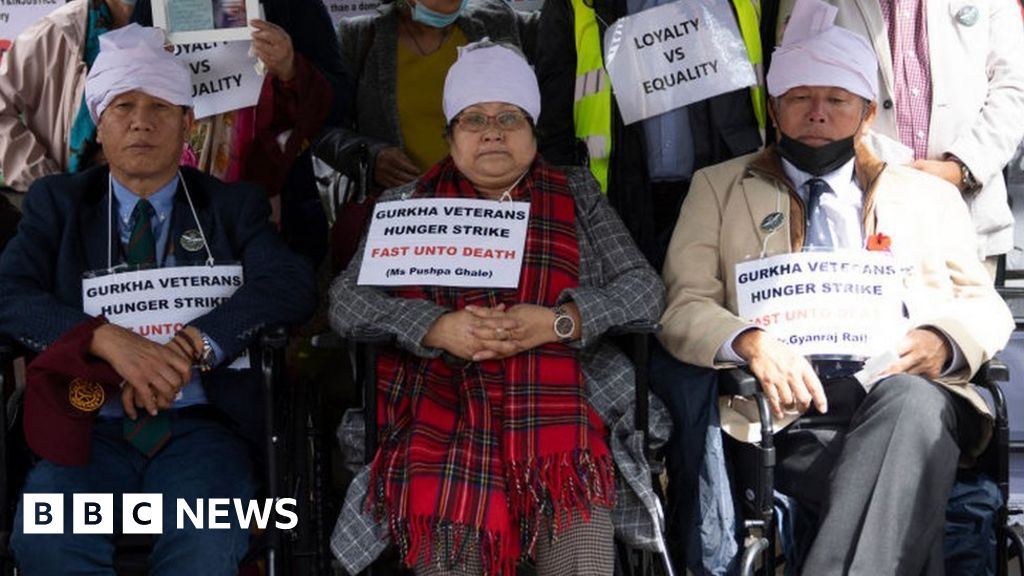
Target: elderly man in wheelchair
[
  {"x": 853, "y": 291},
  {"x": 105, "y": 261}
]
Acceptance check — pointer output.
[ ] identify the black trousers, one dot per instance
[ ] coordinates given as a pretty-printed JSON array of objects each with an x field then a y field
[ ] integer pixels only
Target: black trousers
[{"x": 877, "y": 470}]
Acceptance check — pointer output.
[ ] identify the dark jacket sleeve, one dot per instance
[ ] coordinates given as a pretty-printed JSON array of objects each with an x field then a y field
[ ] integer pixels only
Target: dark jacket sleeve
[
  {"x": 30, "y": 310},
  {"x": 556, "y": 74},
  {"x": 279, "y": 286}
]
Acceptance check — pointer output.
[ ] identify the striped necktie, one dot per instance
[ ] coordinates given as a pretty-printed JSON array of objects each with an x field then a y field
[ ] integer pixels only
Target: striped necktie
[{"x": 147, "y": 433}]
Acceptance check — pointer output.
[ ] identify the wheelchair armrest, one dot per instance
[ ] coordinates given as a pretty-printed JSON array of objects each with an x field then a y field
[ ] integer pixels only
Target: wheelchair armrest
[
  {"x": 988, "y": 377},
  {"x": 995, "y": 370},
  {"x": 737, "y": 382},
  {"x": 274, "y": 337}
]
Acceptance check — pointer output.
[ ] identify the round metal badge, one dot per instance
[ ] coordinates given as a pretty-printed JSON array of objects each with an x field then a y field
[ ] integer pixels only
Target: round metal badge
[
  {"x": 772, "y": 221},
  {"x": 192, "y": 240},
  {"x": 85, "y": 396},
  {"x": 968, "y": 15}
]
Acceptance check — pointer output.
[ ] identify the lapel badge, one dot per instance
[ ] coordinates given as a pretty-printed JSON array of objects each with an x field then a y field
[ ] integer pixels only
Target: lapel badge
[
  {"x": 85, "y": 396},
  {"x": 772, "y": 222},
  {"x": 968, "y": 15},
  {"x": 192, "y": 240}
]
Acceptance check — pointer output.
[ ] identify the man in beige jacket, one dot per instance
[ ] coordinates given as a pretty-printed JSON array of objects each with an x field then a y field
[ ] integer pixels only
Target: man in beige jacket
[{"x": 875, "y": 466}]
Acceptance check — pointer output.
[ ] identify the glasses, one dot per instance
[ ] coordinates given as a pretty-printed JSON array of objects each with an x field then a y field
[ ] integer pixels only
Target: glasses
[{"x": 505, "y": 120}]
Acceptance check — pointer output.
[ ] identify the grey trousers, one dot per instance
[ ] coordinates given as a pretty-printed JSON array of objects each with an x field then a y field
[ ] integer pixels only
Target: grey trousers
[
  {"x": 877, "y": 470},
  {"x": 582, "y": 548}
]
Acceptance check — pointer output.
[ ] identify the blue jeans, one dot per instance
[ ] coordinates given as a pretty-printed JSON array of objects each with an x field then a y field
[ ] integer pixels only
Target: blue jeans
[{"x": 203, "y": 459}]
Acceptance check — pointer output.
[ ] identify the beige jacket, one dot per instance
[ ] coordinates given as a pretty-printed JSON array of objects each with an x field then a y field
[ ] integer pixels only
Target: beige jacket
[
  {"x": 719, "y": 225},
  {"x": 42, "y": 76}
]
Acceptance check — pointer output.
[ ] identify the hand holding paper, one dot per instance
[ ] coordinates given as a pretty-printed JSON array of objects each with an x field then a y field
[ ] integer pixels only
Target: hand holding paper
[{"x": 273, "y": 46}]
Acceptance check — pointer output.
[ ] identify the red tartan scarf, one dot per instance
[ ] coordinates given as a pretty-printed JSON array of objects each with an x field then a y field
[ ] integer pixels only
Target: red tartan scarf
[{"x": 491, "y": 450}]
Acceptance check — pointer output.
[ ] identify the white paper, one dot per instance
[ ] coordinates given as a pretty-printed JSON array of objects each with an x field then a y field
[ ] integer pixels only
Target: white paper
[
  {"x": 14, "y": 19},
  {"x": 156, "y": 303},
  {"x": 844, "y": 304},
  {"x": 673, "y": 55},
  {"x": 445, "y": 242},
  {"x": 224, "y": 76}
]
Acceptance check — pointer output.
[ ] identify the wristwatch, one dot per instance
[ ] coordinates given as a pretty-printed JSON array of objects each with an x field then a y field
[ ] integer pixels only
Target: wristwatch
[
  {"x": 968, "y": 183},
  {"x": 207, "y": 358},
  {"x": 564, "y": 325}
]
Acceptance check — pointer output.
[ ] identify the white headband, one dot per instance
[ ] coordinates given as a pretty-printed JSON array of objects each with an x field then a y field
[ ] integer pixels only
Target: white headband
[
  {"x": 133, "y": 58},
  {"x": 488, "y": 72},
  {"x": 815, "y": 52}
]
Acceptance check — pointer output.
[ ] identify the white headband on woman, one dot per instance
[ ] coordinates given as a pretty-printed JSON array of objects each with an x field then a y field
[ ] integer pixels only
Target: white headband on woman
[
  {"x": 815, "y": 52},
  {"x": 489, "y": 72},
  {"x": 133, "y": 58}
]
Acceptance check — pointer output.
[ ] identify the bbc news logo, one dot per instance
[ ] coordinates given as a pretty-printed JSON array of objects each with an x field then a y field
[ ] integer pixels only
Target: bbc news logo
[{"x": 144, "y": 513}]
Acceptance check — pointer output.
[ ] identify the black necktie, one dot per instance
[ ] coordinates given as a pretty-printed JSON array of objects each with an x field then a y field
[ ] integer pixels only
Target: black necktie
[{"x": 818, "y": 229}]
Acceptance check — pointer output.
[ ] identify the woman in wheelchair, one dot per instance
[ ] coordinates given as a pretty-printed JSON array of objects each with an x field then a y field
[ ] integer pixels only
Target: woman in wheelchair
[{"x": 495, "y": 405}]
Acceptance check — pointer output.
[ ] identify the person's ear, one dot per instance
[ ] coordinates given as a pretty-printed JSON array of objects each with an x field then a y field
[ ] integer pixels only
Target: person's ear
[
  {"x": 870, "y": 112},
  {"x": 190, "y": 118}
]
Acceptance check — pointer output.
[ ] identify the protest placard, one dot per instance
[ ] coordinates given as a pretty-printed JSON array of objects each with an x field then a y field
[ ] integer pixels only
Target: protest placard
[
  {"x": 445, "y": 242},
  {"x": 843, "y": 304},
  {"x": 673, "y": 55},
  {"x": 224, "y": 76},
  {"x": 158, "y": 302},
  {"x": 193, "y": 21},
  {"x": 17, "y": 15},
  {"x": 339, "y": 9}
]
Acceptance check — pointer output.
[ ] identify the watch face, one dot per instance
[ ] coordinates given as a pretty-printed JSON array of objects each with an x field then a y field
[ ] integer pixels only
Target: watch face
[{"x": 564, "y": 326}]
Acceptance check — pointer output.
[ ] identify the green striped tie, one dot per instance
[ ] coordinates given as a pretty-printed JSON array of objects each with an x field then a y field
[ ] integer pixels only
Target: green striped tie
[{"x": 147, "y": 433}]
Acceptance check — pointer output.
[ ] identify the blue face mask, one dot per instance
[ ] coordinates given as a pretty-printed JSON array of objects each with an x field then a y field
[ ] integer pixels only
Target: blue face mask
[{"x": 424, "y": 15}]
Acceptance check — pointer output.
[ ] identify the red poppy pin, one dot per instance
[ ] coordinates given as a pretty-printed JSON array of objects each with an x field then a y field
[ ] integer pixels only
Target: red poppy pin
[{"x": 879, "y": 242}]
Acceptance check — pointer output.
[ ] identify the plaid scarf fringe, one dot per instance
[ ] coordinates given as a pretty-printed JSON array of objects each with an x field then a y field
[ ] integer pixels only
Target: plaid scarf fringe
[{"x": 545, "y": 491}]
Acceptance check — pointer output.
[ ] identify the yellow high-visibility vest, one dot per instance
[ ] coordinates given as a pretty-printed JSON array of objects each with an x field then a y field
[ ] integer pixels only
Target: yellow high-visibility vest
[
  {"x": 592, "y": 101},
  {"x": 748, "y": 13}
]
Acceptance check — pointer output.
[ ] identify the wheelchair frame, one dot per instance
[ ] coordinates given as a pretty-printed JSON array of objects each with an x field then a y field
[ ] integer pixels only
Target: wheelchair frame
[{"x": 760, "y": 533}]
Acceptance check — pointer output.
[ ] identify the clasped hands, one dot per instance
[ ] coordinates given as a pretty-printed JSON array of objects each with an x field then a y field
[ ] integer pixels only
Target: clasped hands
[
  {"x": 790, "y": 383},
  {"x": 477, "y": 333},
  {"x": 153, "y": 373}
]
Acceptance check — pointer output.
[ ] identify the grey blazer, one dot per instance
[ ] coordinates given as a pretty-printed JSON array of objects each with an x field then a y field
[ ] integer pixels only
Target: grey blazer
[{"x": 369, "y": 50}]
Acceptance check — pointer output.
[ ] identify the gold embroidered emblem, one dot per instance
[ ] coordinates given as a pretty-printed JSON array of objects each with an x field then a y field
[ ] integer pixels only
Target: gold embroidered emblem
[{"x": 86, "y": 396}]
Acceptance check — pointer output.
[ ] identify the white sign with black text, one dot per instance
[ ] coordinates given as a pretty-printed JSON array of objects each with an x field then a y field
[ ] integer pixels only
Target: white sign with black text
[
  {"x": 673, "y": 55},
  {"x": 157, "y": 302},
  {"x": 224, "y": 76},
  {"x": 445, "y": 242},
  {"x": 843, "y": 304}
]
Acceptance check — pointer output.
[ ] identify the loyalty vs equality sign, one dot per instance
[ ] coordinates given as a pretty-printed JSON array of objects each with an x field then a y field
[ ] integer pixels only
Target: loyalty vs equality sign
[
  {"x": 445, "y": 242},
  {"x": 845, "y": 304},
  {"x": 673, "y": 55},
  {"x": 224, "y": 76}
]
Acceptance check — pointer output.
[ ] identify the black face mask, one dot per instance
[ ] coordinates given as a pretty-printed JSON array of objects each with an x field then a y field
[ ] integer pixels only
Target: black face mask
[{"x": 816, "y": 160}]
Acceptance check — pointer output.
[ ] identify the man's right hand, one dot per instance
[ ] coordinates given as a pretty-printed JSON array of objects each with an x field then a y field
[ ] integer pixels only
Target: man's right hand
[
  {"x": 393, "y": 168},
  {"x": 786, "y": 377},
  {"x": 155, "y": 373}
]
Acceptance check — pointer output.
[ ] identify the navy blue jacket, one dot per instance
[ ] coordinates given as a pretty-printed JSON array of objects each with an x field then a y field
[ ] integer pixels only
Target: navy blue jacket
[{"x": 64, "y": 232}]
